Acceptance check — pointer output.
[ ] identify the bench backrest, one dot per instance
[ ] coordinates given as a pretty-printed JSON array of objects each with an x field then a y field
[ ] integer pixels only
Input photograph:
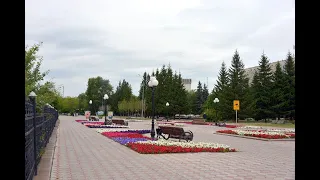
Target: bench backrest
[
  {"x": 172, "y": 130},
  {"x": 118, "y": 121}
]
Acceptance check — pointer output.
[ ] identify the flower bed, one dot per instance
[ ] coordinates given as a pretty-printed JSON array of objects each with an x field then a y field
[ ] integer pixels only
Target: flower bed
[
  {"x": 164, "y": 146},
  {"x": 134, "y": 139},
  {"x": 140, "y": 131},
  {"x": 105, "y": 126},
  {"x": 260, "y": 134},
  {"x": 92, "y": 123},
  {"x": 250, "y": 127},
  {"x": 81, "y": 120}
]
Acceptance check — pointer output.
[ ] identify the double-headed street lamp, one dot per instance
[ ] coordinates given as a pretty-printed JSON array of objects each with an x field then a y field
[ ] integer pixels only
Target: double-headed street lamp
[
  {"x": 167, "y": 104},
  {"x": 153, "y": 82},
  {"x": 105, "y": 97},
  {"x": 216, "y": 100}
]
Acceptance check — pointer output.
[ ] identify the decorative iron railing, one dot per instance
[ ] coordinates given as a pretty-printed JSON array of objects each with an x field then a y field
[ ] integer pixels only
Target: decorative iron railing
[{"x": 38, "y": 130}]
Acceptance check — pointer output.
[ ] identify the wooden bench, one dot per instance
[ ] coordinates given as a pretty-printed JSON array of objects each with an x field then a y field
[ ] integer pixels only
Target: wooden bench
[
  {"x": 174, "y": 132},
  {"x": 93, "y": 118},
  {"x": 199, "y": 121},
  {"x": 120, "y": 121},
  {"x": 161, "y": 119}
]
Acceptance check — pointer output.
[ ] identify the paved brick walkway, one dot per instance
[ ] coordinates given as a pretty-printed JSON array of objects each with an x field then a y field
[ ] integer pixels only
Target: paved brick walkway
[{"x": 82, "y": 153}]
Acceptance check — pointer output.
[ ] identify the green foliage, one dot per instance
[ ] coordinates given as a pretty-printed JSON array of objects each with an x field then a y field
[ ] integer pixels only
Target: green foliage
[
  {"x": 46, "y": 92},
  {"x": 238, "y": 88},
  {"x": 96, "y": 89},
  {"x": 199, "y": 98},
  {"x": 289, "y": 89},
  {"x": 123, "y": 93},
  {"x": 262, "y": 86},
  {"x": 170, "y": 89},
  {"x": 68, "y": 104},
  {"x": 278, "y": 102}
]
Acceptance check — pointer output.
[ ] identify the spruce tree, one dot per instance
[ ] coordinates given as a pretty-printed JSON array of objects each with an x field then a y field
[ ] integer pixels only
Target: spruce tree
[
  {"x": 263, "y": 89},
  {"x": 199, "y": 100},
  {"x": 289, "y": 69},
  {"x": 220, "y": 92},
  {"x": 278, "y": 102},
  {"x": 205, "y": 93},
  {"x": 238, "y": 88}
]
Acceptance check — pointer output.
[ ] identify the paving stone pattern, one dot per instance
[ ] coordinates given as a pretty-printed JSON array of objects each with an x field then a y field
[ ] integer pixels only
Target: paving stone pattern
[{"x": 84, "y": 154}]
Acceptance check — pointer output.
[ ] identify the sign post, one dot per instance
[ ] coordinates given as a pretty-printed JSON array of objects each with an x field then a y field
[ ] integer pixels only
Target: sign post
[{"x": 236, "y": 107}]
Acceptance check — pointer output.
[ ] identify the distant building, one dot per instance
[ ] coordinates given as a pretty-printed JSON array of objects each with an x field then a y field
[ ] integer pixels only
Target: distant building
[
  {"x": 187, "y": 84},
  {"x": 250, "y": 71}
]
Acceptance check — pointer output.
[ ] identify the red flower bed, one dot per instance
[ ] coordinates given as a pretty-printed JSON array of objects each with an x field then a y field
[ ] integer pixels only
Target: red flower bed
[
  {"x": 231, "y": 126},
  {"x": 207, "y": 123},
  {"x": 226, "y": 131},
  {"x": 80, "y": 120},
  {"x": 157, "y": 149}
]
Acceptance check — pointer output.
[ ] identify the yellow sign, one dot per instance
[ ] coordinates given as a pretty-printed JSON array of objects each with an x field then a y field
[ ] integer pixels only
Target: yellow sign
[{"x": 236, "y": 105}]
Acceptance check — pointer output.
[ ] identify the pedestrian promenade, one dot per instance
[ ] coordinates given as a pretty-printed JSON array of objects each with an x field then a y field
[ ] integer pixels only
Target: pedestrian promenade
[{"x": 83, "y": 154}]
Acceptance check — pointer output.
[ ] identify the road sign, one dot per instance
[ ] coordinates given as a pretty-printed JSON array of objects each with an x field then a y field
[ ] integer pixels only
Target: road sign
[{"x": 236, "y": 105}]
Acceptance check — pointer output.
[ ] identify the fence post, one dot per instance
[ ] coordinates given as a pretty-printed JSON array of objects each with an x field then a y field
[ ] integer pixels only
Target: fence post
[{"x": 32, "y": 96}]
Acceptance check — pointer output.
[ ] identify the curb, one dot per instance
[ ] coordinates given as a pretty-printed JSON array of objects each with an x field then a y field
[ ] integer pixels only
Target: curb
[
  {"x": 249, "y": 137},
  {"x": 45, "y": 165}
]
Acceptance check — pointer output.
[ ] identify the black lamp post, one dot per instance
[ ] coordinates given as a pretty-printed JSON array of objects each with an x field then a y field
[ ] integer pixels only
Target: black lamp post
[
  {"x": 152, "y": 84},
  {"x": 167, "y": 104},
  {"x": 105, "y": 97},
  {"x": 216, "y": 100},
  {"x": 32, "y": 97}
]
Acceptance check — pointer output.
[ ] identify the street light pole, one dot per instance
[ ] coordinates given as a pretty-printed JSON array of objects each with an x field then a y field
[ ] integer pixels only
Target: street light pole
[
  {"x": 105, "y": 97},
  {"x": 167, "y": 104},
  {"x": 90, "y": 104},
  {"x": 216, "y": 100},
  {"x": 152, "y": 84}
]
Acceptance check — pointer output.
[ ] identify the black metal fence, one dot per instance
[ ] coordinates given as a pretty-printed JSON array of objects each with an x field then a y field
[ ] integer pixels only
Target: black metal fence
[{"x": 38, "y": 129}]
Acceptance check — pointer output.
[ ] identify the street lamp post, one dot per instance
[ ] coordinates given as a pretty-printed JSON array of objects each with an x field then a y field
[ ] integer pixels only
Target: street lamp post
[
  {"x": 167, "y": 104},
  {"x": 216, "y": 100},
  {"x": 153, "y": 82},
  {"x": 90, "y": 102},
  {"x": 105, "y": 97},
  {"x": 32, "y": 97}
]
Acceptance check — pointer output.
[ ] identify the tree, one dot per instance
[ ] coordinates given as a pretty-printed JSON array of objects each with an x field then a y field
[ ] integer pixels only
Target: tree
[
  {"x": 220, "y": 91},
  {"x": 262, "y": 89},
  {"x": 289, "y": 70},
  {"x": 238, "y": 88},
  {"x": 33, "y": 75},
  {"x": 83, "y": 102},
  {"x": 170, "y": 89},
  {"x": 199, "y": 98},
  {"x": 123, "y": 92},
  {"x": 96, "y": 88},
  {"x": 278, "y": 102},
  {"x": 205, "y": 93}
]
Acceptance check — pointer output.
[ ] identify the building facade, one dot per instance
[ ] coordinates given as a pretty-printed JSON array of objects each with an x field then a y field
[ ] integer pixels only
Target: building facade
[
  {"x": 187, "y": 84},
  {"x": 250, "y": 71}
]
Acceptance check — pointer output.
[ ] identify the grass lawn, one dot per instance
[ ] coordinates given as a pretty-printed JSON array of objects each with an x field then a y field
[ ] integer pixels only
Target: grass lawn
[{"x": 287, "y": 125}]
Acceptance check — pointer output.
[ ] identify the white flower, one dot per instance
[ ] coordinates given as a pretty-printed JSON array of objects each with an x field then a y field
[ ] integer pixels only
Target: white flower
[{"x": 162, "y": 142}]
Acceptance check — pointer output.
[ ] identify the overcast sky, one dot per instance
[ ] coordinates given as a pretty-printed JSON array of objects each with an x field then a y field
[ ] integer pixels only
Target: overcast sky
[{"x": 119, "y": 39}]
